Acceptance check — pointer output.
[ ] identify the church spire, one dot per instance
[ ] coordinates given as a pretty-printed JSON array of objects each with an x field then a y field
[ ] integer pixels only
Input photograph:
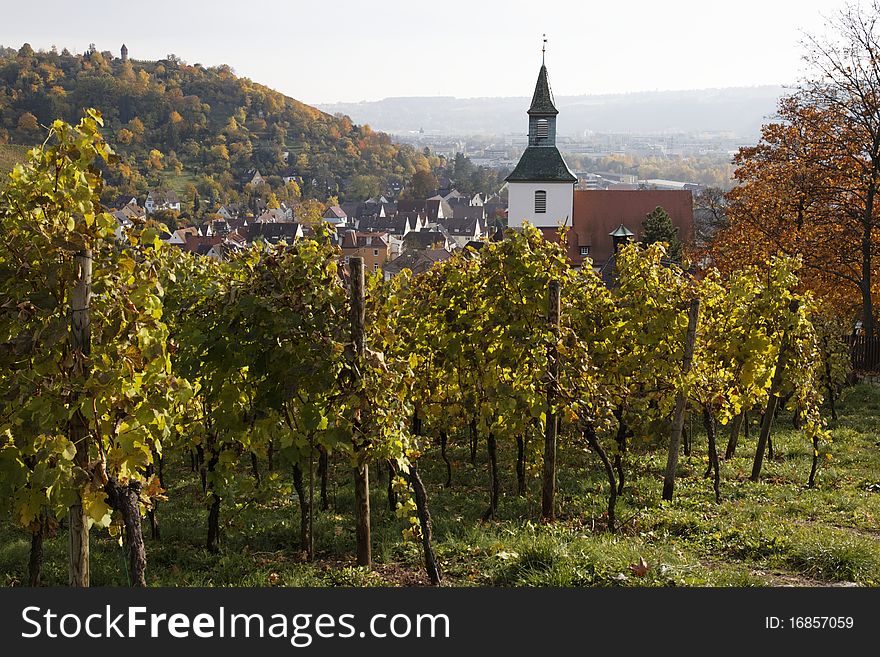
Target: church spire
[{"x": 542, "y": 99}]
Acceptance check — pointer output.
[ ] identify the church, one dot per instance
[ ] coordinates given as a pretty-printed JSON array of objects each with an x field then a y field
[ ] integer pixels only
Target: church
[{"x": 541, "y": 190}]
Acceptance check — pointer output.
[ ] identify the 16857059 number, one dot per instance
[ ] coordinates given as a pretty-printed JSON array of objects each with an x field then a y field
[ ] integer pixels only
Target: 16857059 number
[{"x": 821, "y": 622}]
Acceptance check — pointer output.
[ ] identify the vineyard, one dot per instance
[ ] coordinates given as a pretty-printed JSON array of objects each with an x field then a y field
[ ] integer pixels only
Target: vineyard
[{"x": 502, "y": 419}]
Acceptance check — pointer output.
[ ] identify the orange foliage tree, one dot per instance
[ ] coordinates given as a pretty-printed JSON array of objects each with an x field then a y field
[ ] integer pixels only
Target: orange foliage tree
[{"x": 811, "y": 186}]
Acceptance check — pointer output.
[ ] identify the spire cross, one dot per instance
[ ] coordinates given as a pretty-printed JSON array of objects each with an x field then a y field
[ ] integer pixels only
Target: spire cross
[{"x": 543, "y": 49}]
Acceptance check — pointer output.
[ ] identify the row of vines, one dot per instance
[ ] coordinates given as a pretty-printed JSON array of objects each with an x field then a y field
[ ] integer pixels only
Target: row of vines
[{"x": 117, "y": 350}]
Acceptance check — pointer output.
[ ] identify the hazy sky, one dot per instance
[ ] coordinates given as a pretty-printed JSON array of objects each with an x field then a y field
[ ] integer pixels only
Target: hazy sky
[{"x": 346, "y": 50}]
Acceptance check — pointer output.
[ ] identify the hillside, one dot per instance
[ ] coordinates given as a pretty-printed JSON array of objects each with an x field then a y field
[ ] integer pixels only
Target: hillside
[
  {"x": 10, "y": 154},
  {"x": 193, "y": 127},
  {"x": 739, "y": 111}
]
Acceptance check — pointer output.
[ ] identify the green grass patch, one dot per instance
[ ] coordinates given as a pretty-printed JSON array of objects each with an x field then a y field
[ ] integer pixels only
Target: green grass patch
[{"x": 773, "y": 532}]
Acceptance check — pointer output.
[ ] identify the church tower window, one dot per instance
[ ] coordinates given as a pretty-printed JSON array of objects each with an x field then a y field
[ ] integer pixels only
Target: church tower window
[
  {"x": 540, "y": 202},
  {"x": 543, "y": 129}
]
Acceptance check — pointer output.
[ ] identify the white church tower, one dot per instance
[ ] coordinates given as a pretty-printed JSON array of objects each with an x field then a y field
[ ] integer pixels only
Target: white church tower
[{"x": 541, "y": 187}]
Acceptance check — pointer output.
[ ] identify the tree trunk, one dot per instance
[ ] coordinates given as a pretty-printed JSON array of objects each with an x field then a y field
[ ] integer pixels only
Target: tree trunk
[
  {"x": 709, "y": 422},
  {"x": 125, "y": 500},
  {"x": 392, "y": 494},
  {"x": 593, "y": 441},
  {"x": 323, "y": 467},
  {"x": 421, "y": 499},
  {"x": 213, "y": 542},
  {"x": 160, "y": 471},
  {"x": 155, "y": 533},
  {"x": 735, "y": 426},
  {"x": 361, "y": 470},
  {"x": 812, "y": 481},
  {"x": 492, "y": 451},
  {"x": 472, "y": 429},
  {"x": 35, "y": 560},
  {"x": 772, "y": 402},
  {"x": 680, "y": 402},
  {"x": 548, "y": 488},
  {"x": 686, "y": 437},
  {"x": 200, "y": 459},
  {"x": 305, "y": 540},
  {"x": 255, "y": 468},
  {"x": 362, "y": 515},
  {"x": 443, "y": 441},
  {"x": 520, "y": 466},
  {"x": 865, "y": 286},
  {"x": 80, "y": 343},
  {"x": 150, "y": 471},
  {"x": 621, "y": 450}
]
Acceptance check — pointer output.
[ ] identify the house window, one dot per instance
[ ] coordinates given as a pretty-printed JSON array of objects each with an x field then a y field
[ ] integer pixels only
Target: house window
[
  {"x": 375, "y": 252},
  {"x": 543, "y": 129},
  {"x": 540, "y": 202},
  {"x": 375, "y": 266},
  {"x": 585, "y": 250},
  {"x": 345, "y": 260}
]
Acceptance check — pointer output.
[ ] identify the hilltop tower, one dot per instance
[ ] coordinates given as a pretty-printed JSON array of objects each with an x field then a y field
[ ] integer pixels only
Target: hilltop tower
[
  {"x": 541, "y": 187},
  {"x": 124, "y": 53}
]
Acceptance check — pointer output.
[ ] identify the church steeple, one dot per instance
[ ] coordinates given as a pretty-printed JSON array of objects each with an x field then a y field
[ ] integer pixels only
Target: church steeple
[
  {"x": 542, "y": 99},
  {"x": 541, "y": 186}
]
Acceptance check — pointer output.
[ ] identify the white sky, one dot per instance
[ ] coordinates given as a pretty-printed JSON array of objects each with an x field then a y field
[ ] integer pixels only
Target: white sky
[{"x": 350, "y": 50}]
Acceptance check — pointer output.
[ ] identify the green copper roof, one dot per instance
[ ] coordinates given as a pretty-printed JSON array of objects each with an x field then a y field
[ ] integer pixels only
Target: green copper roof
[
  {"x": 622, "y": 231},
  {"x": 542, "y": 100},
  {"x": 541, "y": 164}
]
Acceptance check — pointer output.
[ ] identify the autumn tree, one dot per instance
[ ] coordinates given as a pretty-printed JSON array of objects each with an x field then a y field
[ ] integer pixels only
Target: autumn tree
[
  {"x": 27, "y": 122},
  {"x": 810, "y": 186},
  {"x": 423, "y": 184}
]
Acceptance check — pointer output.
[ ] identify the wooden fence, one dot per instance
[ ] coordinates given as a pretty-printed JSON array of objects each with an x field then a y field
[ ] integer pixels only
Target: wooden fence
[{"x": 865, "y": 352}]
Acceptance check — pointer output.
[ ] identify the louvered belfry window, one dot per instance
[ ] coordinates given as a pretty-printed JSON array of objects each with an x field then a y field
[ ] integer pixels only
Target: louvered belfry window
[
  {"x": 540, "y": 202},
  {"x": 543, "y": 129}
]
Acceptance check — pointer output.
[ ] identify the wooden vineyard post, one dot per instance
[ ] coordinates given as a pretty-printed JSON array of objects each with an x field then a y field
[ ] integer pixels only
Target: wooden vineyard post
[
  {"x": 80, "y": 344},
  {"x": 772, "y": 400},
  {"x": 361, "y": 470},
  {"x": 681, "y": 401},
  {"x": 548, "y": 492}
]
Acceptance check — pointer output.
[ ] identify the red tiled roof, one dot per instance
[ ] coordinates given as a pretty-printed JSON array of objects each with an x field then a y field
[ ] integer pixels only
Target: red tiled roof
[{"x": 598, "y": 212}]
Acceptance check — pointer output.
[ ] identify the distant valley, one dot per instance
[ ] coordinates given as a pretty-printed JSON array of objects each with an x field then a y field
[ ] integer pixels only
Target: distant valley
[{"x": 737, "y": 111}]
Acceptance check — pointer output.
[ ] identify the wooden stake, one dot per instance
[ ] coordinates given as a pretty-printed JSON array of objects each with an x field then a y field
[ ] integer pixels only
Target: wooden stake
[
  {"x": 681, "y": 401},
  {"x": 361, "y": 470},
  {"x": 80, "y": 343},
  {"x": 548, "y": 492}
]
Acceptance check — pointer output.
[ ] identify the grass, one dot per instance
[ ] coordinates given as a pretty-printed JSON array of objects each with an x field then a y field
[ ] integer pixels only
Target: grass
[{"x": 773, "y": 533}]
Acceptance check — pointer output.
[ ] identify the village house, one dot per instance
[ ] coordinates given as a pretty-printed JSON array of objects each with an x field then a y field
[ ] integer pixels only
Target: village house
[
  {"x": 335, "y": 215},
  {"x": 374, "y": 248},
  {"x": 253, "y": 178},
  {"x": 275, "y": 216},
  {"x": 427, "y": 240},
  {"x": 418, "y": 262},
  {"x": 161, "y": 199},
  {"x": 273, "y": 233},
  {"x": 435, "y": 208},
  {"x": 463, "y": 230},
  {"x": 398, "y": 226}
]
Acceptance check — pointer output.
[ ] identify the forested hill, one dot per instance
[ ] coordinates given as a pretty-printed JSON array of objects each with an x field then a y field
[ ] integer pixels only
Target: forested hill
[{"x": 187, "y": 126}]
